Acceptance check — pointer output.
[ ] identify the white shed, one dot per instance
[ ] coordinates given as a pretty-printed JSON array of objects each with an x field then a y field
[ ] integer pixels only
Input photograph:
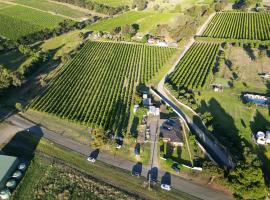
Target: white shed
[{"x": 267, "y": 137}]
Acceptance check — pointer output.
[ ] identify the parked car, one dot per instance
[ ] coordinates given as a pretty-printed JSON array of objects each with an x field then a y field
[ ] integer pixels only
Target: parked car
[
  {"x": 91, "y": 159},
  {"x": 168, "y": 128},
  {"x": 176, "y": 169},
  {"x": 169, "y": 123},
  {"x": 165, "y": 187}
]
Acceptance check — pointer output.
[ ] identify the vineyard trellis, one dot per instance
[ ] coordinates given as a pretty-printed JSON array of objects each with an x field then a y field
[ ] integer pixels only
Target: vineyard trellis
[
  {"x": 239, "y": 25},
  {"x": 96, "y": 87},
  {"x": 194, "y": 69}
]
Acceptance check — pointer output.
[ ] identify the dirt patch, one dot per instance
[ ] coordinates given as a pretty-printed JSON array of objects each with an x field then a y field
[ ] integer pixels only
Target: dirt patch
[{"x": 245, "y": 64}]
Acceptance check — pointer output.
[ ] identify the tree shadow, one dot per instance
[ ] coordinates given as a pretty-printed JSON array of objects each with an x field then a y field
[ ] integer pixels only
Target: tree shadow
[
  {"x": 30, "y": 88},
  {"x": 153, "y": 174},
  {"x": 166, "y": 178},
  {"x": 250, "y": 52},
  {"x": 24, "y": 144},
  {"x": 94, "y": 154},
  {"x": 137, "y": 168},
  {"x": 224, "y": 128}
]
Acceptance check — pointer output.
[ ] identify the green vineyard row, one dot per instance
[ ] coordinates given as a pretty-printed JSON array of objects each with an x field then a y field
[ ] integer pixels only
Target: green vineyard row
[
  {"x": 239, "y": 25},
  {"x": 194, "y": 69},
  {"x": 96, "y": 87}
]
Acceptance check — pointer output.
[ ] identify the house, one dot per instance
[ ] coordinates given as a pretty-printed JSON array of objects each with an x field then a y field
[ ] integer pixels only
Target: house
[
  {"x": 173, "y": 136},
  {"x": 162, "y": 44},
  {"x": 8, "y": 164},
  {"x": 152, "y": 41},
  {"x": 153, "y": 111}
]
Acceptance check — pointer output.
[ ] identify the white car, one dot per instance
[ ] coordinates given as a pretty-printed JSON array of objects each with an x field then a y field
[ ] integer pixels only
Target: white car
[
  {"x": 91, "y": 159},
  {"x": 165, "y": 187}
]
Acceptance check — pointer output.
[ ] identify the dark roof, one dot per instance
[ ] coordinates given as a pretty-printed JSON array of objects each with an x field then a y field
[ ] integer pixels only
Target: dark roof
[{"x": 174, "y": 135}]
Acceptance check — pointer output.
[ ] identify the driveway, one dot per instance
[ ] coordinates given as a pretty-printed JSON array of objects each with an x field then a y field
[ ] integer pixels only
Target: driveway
[{"x": 153, "y": 122}]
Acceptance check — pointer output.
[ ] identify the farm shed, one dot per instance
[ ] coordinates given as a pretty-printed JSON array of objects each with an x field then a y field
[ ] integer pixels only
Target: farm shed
[{"x": 8, "y": 165}]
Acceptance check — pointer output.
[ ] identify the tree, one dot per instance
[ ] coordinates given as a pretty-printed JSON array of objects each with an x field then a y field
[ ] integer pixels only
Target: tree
[
  {"x": 99, "y": 138},
  {"x": 19, "y": 106}
]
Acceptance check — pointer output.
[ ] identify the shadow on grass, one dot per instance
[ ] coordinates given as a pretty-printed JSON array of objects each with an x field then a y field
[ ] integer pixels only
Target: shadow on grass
[
  {"x": 250, "y": 52},
  {"x": 224, "y": 127}
]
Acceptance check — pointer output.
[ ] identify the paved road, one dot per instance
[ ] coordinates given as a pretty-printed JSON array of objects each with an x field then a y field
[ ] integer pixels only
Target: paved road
[
  {"x": 177, "y": 182},
  {"x": 216, "y": 150}
]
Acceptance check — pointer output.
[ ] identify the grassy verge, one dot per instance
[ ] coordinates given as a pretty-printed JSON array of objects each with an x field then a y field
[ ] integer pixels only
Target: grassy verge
[{"x": 119, "y": 178}]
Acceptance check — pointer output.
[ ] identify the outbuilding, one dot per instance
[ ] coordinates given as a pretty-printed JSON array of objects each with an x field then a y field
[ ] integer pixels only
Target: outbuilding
[{"x": 8, "y": 165}]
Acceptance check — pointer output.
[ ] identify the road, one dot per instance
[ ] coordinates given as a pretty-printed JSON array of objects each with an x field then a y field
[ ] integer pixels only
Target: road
[
  {"x": 177, "y": 182},
  {"x": 217, "y": 151}
]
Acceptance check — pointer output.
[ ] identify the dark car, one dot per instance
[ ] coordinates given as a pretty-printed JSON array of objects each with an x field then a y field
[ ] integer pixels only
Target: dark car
[
  {"x": 169, "y": 123},
  {"x": 176, "y": 169},
  {"x": 168, "y": 128}
]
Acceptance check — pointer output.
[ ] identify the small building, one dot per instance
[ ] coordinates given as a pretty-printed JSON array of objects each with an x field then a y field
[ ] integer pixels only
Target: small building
[
  {"x": 152, "y": 41},
  {"x": 217, "y": 87},
  {"x": 144, "y": 96},
  {"x": 257, "y": 99},
  {"x": 8, "y": 164},
  {"x": 147, "y": 102},
  {"x": 162, "y": 44},
  {"x": 153, "y": 111}
]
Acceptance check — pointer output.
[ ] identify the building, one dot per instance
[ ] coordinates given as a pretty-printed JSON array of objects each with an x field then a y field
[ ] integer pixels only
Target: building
[
  {"x": 173, "y": 136},
  {"x": 8, "y": 164},
  {"x": 153, "y": 111}
]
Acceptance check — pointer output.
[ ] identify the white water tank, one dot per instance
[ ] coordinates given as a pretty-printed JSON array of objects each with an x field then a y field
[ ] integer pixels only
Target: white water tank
[{"x": 260, "y": 135}]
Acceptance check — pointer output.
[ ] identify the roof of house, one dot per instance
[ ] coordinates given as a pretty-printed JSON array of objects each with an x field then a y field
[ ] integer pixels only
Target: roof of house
[
  {"x": 175, "y": 135},
  {"x": 6, "y": 168}
]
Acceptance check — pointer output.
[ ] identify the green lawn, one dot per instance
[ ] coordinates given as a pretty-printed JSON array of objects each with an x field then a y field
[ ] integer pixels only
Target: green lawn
[
  {"x": 63, "y": 44},
  {"x": 39, "y": 172},
  {"x": 146, "y": 20},
  {"x": 52, "y": 7},
  {"x": 4, "y": 5}
]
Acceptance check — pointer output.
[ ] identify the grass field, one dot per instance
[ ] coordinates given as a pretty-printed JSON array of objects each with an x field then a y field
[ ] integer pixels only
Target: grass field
[
  {"x": 98, "y": 66},
  {"x": 70, "y": 168},
  {"x": 146, "y": 20},
  {"x": 52, "y": 7},
  {"x": 26, "y": 20}
]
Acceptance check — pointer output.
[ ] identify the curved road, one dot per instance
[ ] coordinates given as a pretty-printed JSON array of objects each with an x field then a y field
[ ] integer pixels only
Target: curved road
[
  {"x": 178, "y": 183},
  {"x": 217, "y": 152}
]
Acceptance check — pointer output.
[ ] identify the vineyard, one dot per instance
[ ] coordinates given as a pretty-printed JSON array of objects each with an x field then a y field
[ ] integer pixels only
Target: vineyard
[
  {"x": 253, "y": 26},
  {"x": 53, "y": 7},
  {"x": 194, "y": 69},
  {"x": 96, "y": 87},
  {"x": 17, "y": 21}
]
